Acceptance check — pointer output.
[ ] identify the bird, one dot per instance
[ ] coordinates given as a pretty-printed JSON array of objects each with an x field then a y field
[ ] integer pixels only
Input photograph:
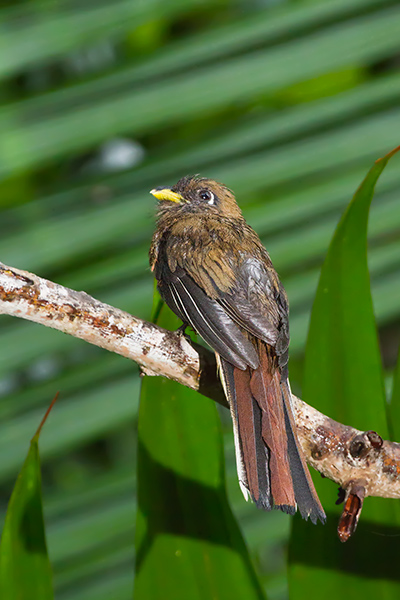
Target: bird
[{"x": 214, "y": 273}]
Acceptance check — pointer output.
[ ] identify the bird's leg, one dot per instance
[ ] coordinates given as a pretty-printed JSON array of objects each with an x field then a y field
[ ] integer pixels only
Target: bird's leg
[{"x": 181, "y": 331}]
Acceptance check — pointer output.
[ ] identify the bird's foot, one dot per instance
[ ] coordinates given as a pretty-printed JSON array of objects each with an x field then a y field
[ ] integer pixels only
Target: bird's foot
[{"x": 181, "y": 331}]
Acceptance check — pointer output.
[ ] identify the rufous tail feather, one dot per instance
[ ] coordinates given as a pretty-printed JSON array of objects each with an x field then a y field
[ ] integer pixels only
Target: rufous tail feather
[{"x": 270, "y": 463}]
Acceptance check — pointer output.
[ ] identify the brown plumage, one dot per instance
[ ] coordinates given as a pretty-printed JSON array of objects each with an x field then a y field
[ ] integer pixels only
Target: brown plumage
[{"x": 215, "y": 274}]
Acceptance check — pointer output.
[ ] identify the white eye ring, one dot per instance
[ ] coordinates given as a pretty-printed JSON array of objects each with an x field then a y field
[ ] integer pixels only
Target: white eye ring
[{"x": 206, "y": 195}]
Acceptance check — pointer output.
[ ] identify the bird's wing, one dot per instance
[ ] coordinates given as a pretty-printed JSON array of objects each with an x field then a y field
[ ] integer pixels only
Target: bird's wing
[
  {"x": 206, "y": 315},
  {"x": 248, "y": 289},
  {"x": 258, "y": 304},
  {"x": 255, "y": 305}
]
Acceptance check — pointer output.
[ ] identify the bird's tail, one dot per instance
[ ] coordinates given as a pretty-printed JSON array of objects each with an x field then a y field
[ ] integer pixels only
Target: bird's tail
[{"x": 270, "y": 463}]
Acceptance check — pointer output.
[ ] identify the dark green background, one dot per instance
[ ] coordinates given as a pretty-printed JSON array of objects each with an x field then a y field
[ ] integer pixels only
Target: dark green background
[{"x": 287, "y": 103}]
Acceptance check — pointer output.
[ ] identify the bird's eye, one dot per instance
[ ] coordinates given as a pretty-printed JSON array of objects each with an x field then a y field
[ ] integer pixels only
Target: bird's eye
[{"x": 207, "y": 196}]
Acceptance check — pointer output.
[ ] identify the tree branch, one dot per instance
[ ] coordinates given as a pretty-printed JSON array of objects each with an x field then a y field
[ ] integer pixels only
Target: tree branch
[{"x": 355, "y": 460}]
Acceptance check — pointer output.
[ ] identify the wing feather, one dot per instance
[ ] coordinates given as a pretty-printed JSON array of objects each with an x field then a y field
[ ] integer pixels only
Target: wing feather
[
  {"x": 209, "y": 319},
  {"x": 252, "y": 302},
  {"x": 247, "y": 316}
]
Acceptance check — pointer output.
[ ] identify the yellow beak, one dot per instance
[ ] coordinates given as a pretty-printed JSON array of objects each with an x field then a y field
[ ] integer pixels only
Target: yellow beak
[{"x": 167, "y": 194}]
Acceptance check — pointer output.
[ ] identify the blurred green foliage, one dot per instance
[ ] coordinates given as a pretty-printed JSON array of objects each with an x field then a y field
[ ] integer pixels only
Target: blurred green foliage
[
  {"x": 25, "y": 570},
  {"x": 287, "y": 103},
  {"x": 343, "y": 375},
  {"x": 188, "y": 543}
]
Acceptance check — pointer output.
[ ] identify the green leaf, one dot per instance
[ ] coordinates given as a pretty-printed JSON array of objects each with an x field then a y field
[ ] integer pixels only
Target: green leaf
[
  {"x": 394, "y": 405},
  {"x": 293, "y": 167},
  {"x": 25, "y": 571},
  {"x": 343, "y": 362},
  {"x": 187, "y": 541},
  {"x": 343, "y": 378}
]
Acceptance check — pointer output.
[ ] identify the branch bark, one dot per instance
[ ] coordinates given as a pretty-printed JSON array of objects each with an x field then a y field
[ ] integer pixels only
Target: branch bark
[{"x": 352, "y": 458}]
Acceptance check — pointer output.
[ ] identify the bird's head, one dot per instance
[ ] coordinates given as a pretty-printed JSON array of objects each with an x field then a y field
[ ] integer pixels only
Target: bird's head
[{"x": 199, "y": 194}]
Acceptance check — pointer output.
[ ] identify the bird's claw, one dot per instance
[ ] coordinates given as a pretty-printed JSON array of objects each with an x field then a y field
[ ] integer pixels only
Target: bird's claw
[{"x": 181, "y": 331}]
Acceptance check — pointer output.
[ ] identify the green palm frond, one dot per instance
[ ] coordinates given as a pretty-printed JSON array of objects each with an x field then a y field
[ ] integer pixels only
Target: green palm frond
[{"x": 288, "y": 105}]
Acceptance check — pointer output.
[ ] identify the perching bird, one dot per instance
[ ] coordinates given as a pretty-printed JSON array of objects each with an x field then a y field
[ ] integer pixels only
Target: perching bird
[{"x": 217, "y": 277}]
